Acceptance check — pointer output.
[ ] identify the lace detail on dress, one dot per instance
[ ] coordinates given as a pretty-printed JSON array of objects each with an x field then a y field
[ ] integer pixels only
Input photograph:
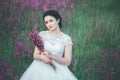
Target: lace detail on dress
[
  {"x": 42, "y": 34},
  {"x": 55, "y": 44},
  {"x": 67, "y": 40},
  {"x": 64, "y": 39}
]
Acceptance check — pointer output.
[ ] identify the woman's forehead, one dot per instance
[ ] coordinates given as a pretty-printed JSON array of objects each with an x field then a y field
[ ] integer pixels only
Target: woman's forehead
[{"x": 48, "y": 17}]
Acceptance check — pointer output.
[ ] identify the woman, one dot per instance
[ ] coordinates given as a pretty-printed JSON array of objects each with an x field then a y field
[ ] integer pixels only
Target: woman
[{"x": 58, "y": 52}]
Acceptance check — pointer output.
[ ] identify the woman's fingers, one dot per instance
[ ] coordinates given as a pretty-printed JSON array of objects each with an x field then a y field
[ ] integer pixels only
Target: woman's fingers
[
  {"x": 46, "y": 59},
  {"x": 45, "y": 52}
]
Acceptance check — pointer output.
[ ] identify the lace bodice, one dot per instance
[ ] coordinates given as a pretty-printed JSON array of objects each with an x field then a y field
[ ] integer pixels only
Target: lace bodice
[{"x": 55, "y": 44}]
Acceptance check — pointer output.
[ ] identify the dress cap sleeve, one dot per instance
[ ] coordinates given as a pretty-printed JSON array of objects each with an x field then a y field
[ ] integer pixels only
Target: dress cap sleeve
[{"x": 68, "y": 40}]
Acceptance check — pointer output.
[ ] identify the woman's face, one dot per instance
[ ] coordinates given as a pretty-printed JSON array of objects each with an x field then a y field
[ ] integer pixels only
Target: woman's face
[{"x": 51, "y": 23}]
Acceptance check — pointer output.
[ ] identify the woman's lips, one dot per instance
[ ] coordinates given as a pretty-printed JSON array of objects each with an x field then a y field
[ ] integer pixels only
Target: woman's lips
[{"x": 50, "y": 26}]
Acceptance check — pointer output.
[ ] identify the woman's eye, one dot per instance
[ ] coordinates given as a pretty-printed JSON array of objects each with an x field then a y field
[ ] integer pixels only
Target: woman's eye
[
  {"x": 46, "y": 22},
  {"x": 51, "y": 20}
]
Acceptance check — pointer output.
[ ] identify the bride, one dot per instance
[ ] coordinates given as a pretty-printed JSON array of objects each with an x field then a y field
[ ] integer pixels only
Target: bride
[{"x": 58, "y": 51}]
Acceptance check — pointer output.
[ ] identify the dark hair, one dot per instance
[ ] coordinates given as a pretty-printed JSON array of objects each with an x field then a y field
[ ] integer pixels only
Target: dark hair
[{"x": 55, "y": 14}]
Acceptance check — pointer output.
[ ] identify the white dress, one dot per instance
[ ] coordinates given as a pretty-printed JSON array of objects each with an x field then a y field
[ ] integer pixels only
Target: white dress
[{"x": 38, "y": 70}]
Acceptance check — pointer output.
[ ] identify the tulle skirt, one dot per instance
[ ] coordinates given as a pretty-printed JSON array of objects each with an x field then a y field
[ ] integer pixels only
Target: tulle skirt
[{"x": 41, "y": 71}]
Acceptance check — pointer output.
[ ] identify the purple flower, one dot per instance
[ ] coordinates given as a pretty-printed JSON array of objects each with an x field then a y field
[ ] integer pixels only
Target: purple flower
[{"x": 36, "y": 40}]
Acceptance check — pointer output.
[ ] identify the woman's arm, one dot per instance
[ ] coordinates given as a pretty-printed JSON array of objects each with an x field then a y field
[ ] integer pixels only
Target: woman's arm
[{"x": 66, "y": 60}]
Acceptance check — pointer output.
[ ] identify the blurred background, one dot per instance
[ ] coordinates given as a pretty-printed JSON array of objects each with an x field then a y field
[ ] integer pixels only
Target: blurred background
[{"x": 93, "y": 25}]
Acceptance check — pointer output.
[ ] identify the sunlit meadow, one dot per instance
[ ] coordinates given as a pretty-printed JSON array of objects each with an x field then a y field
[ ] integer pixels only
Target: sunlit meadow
[{"x": 93, "y": 25}]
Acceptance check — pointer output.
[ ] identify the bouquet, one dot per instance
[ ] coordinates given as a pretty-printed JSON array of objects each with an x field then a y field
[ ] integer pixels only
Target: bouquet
[{"x": 37, "y": 41}]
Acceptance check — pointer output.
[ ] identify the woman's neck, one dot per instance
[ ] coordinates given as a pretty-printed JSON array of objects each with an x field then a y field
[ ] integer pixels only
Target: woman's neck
[{"x": 55, "y": 32}]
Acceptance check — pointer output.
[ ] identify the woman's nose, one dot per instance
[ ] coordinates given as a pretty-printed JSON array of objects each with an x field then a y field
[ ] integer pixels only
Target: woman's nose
[{"x": 49, "y": 23}]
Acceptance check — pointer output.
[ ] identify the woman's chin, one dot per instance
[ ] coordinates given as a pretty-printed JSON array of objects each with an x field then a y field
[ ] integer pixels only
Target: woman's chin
[{"x": 52, "y": 29}]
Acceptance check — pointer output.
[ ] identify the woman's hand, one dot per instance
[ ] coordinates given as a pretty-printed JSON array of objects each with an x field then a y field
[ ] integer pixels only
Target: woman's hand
[
  {"x": 46, "y": 53},
  {"x": 45, "y": 59}
]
